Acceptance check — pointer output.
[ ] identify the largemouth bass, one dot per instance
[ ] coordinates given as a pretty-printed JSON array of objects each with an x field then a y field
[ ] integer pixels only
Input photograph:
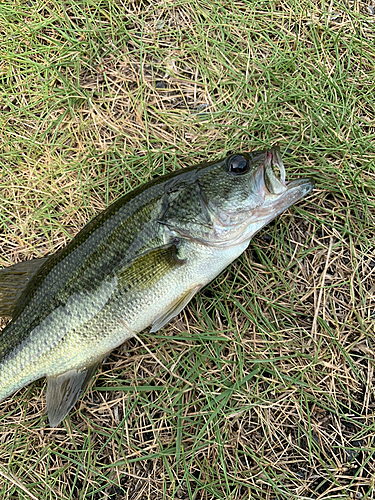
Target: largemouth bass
[{"x": 135, "y": 265}]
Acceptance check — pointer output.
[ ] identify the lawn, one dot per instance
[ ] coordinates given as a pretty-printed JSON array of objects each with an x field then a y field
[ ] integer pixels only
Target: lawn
[{"x": 262, "y": 388}]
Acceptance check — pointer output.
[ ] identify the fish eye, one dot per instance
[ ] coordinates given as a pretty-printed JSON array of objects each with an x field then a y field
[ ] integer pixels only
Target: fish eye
[{"x": 238, "y": 164}]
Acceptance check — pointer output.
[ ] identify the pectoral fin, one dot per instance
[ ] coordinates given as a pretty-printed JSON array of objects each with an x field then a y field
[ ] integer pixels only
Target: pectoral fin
[
  {"x": 150, "y": 267},
  {"x": 13, "y": 281},
  {"x": 173, "y": 309},
  {"x": 64, "y": 390}
]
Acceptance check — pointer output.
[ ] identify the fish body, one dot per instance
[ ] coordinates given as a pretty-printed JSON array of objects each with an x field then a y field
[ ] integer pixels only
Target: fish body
[{"x": 135, "y": 265}]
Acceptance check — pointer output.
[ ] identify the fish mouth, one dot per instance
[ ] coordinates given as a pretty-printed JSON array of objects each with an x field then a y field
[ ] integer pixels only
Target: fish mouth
[
  {"x": 278, "y": 193},
  {"x": 274, "y": 181}
]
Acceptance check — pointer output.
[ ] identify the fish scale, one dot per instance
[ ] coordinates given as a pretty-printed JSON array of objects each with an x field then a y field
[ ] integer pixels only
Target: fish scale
[{"x": 135, "y": 265}]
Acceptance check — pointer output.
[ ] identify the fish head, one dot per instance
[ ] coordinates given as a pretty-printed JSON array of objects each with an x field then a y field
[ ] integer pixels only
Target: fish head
[{"x": 244, "y": 192}]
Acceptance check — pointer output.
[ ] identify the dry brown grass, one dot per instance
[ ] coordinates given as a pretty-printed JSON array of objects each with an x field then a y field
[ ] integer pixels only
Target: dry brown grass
[{"x": 268, "y": 391}]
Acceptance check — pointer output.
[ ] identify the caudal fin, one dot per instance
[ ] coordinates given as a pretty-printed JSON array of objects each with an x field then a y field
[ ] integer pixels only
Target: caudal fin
[{"x": 13, "y": 281}]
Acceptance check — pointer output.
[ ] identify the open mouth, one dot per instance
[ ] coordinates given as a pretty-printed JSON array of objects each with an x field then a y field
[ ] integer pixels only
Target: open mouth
[
  {"x": 282, "y": 192},
  {"x": 274, "y": 173}
]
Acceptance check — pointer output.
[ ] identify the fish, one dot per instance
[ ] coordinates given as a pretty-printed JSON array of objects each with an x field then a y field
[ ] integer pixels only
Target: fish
[{"x": 135, "y": 265}]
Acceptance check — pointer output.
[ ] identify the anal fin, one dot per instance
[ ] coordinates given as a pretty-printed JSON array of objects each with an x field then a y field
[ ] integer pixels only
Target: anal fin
[
  {"x": 63, "y": 391},
  {"x": 174, "y": 309}
]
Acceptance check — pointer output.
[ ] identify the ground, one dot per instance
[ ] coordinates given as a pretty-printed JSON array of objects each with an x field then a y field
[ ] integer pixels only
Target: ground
[{"x": 263, "y": 387}]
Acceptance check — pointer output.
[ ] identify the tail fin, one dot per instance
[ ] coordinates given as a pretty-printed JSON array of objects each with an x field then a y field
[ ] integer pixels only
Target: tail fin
[{"x": 13, "y": 281}]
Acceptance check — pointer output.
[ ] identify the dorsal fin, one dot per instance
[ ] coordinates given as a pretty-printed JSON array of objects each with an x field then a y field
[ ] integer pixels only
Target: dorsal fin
[{"x": 13, "y": 281}]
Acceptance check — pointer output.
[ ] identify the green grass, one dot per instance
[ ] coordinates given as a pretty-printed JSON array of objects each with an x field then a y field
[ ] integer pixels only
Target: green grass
[{"x": 268, "y": 390}]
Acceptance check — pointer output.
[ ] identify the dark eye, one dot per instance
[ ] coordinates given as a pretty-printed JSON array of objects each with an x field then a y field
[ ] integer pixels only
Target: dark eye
[{"x": 238, "y": 164}]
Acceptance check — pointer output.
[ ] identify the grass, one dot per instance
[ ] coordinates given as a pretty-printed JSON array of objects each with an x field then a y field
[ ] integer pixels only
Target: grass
[{"x": 267, "y": 390}]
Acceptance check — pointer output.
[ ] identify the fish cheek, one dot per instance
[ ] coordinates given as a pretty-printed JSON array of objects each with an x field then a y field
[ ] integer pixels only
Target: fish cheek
[{"x": 185, "y": 210}]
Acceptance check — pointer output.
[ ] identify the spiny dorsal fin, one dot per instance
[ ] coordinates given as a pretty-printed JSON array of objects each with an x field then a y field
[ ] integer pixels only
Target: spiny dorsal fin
[
  {"x": 13, "y": 281},
  {"x": 64, "y": 390}
]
